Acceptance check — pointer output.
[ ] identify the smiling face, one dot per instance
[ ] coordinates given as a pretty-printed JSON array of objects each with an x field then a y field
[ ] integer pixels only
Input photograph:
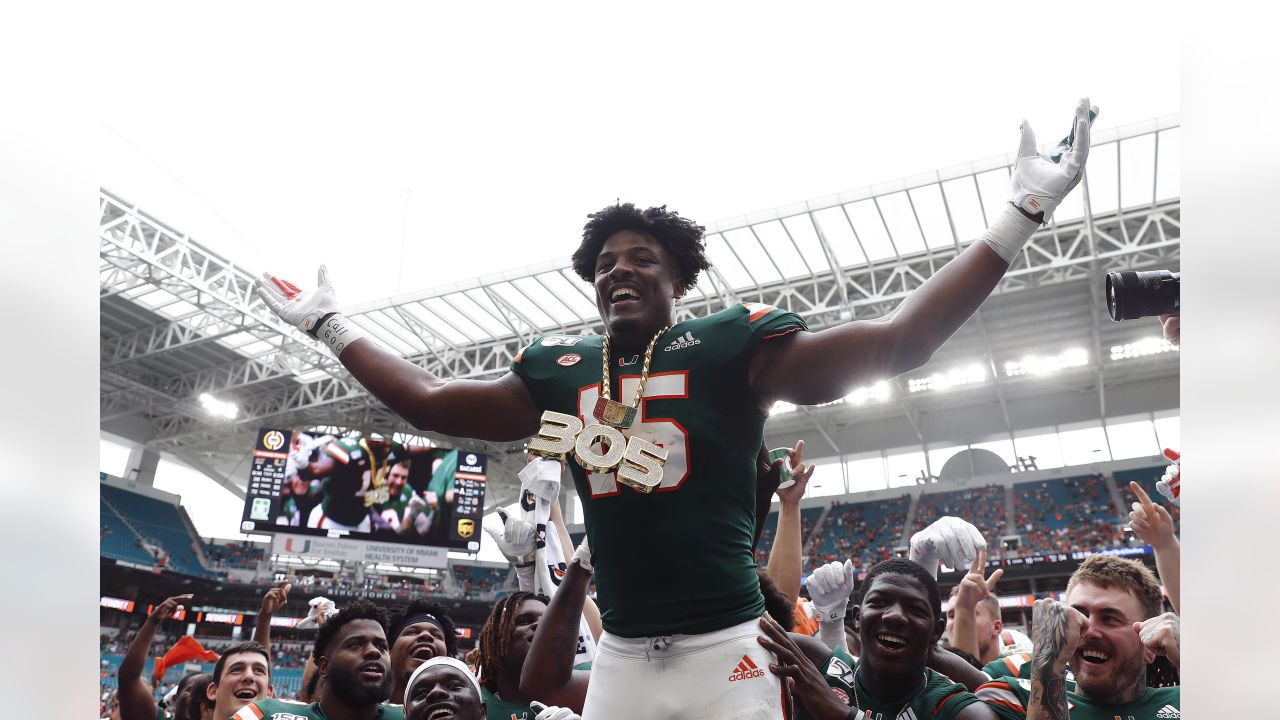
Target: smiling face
[
  {"x": 636, "y": 285},
  {"x": 356, "y": 665},
  {"x": 896, "y": 626},
  {"x": 416, "y": 643},
  {"x": 1111, "y": 659},
  {"x": 987, "y": 624},
  {"x": 442, "y": 692},
  {"x": 246, "y": 678},
  {"x": 397, "y": 477}
]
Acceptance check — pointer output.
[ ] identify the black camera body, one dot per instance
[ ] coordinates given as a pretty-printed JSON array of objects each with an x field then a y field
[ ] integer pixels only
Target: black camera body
[{"x": 1132, "y": 295}]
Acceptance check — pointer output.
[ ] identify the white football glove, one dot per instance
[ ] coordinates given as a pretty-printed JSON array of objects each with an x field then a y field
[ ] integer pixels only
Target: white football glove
[
  {"x": 1040, "y": 183},
  {"x": 516, "y": 540},
  {"x": 1170, "y": 484},
  {"x": 829, "y": 589},
  {"x": 322, "y": 610},
  {"x": 542, "y": 478},
  {"x": 304, "y": 309},
  {"x": 583, "y": 555},
  {"x": 553, "y": 712},
  {"x": 948, "y": 541}
]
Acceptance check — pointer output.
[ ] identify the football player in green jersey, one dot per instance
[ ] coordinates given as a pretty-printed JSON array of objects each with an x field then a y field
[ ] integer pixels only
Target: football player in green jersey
[
  {"x": 898, "y": 622},
  {"x": 241, "y": 676},
  {"x": 504, "y": 643},
  {"x": 1109, "y": 629},
  {"x": 419, "y": 632},
  {"x": 708, "y": 385},
  {"x": 352, "y": 657}
]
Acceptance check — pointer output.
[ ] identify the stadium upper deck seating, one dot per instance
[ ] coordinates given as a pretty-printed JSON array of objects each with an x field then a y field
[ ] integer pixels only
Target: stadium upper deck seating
[
  {"x": 235, "y": 555},
  {"x": 117, "y": 541},
  {"x": 865, "y": 532},
  {"x": 1064, "y": 514},
  {"x": 808, "y": 518},
  {"x": 159, "y": 522},
  {"x": 474, "y": 579},
  {"x": 983, "y": 506},
  {"x": 1147, "y": 478}
]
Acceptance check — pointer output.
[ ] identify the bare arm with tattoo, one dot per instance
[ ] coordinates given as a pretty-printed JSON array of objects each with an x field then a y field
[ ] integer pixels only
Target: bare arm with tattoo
[{"x": 1055, "y": 633}]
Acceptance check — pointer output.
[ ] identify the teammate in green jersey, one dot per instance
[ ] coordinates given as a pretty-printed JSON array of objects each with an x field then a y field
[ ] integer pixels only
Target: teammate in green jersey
[
  {"x": 707, "y": 396},
  {"x": 352, "y": 657},
  {"x": 240, "y": 677},
  {"x": 1109, "y": 629},
  {"x": 420, "y": 631},
  {"x": 898, "y": 622},
  {"x": 503, "y": 645},
  {"x": 354, "y": 474}
]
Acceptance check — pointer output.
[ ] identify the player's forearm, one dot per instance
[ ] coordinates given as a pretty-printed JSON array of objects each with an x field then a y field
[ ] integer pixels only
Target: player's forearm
[
  {"x": 1168, "y": 565},
  {"x": 262, "y": 631},
  {"x": 549, "y": 664},
  {"x": 1048, "y": 699},
  {"x": 307, "y": 672},
  {"x": 964, "y": 632},
  {"x": 831, "y": 633},
  {"x": 136, "y": 656},
  {"x": 136, "y": 701},
  {"x": 784, "y": 557}
]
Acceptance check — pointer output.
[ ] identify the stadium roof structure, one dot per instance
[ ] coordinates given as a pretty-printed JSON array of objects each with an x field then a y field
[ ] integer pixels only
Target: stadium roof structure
[{"x": 179, "y": 321}]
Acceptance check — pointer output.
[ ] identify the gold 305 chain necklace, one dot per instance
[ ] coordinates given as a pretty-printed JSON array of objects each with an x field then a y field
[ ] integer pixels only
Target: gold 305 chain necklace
[{"x": 611, "y": 412}]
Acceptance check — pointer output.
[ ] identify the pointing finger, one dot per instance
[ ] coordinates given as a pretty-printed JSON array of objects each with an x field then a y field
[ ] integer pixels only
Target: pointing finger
[
  {"x": 1147, "y": 505},
  {"x": 979, "y": 562},
  {"x": 995, "y": 578}
]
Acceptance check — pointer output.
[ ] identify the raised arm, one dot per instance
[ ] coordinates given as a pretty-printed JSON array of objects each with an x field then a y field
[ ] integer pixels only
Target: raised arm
[
  {"x": 1154, "y": 525},
  {"x": 590, "y": 610},
  {"x": 136, "y": 699},
  {"x": 811, "y": 368},
  {"x": 548, "y": 673},
  {"x": 784, "y": 567},
  {"x": 498, "y": 410},
  {"x": 1056, "y": 629},
  {"x": 973, "y": 589},
  {"x": 272, "y": 600}
]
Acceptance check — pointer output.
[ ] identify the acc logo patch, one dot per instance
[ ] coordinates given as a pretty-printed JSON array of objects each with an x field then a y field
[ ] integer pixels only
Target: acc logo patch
[
  {"x": 839, "y": 669},
  {"x": 563, "y": 340},
  {"x": 466, "y": 528},
  {"x": 568, "y": 359}
]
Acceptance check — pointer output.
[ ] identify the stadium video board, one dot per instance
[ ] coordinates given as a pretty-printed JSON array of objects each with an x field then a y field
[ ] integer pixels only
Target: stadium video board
[{"x": 364, "y": 488}]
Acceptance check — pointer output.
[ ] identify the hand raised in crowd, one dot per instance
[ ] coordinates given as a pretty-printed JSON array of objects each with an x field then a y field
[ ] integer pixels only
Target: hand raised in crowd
[
  {"x": 276, "y": 597},
  {"x": 170, "y": 606},
  {"x": 830, "y": 587},
  {"x": 1162, "y": 635},
  {"x": 802, "y": 679},
  {"x": 947, "y": 541},
  {"x": 973, "y": 587},
  {"x": 516, "y": 539},
  {"x": 800, "y": 473},
  {"x": 1150, "y": 522}
]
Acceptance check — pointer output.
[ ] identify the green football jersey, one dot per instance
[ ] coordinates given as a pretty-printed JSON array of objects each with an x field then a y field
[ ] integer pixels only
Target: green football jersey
[
  {"x": 679, "y": 559},
  {"x": 358, "y": 480},
  {"x": 499, "y": 709},
  {"x": 1018, "y": 665},
  {"x": 935, "y": 697},
  {"x": 1008, "y": 698},
  {"x": 393, "y": 509},
  {"x": 273, "y": 709}
]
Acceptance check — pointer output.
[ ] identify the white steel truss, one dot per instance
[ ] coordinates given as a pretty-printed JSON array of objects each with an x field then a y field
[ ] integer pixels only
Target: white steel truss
[{"x": 856, "y": 254}]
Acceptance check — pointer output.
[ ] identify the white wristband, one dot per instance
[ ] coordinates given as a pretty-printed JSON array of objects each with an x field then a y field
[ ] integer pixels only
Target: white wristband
[
  {"x": 337, "y": 332},
  {"x": 1010, "y": 231}
]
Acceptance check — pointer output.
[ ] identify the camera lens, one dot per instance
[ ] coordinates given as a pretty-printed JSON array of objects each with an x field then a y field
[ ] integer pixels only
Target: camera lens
[{"x": 1132, "y": 295}]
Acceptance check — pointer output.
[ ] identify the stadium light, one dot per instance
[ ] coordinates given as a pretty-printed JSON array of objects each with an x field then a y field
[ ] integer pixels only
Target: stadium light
[
  {"x": 217, "y": 407},
  {"x": 1040, "y": 365},
  {"x": 967, "y": 375},
  {"x": 1142, "y": 348},
  {"x": 877, "y": 392}
]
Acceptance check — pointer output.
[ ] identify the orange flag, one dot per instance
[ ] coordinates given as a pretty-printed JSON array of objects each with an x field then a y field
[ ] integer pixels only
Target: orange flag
[{"x": 187, "y": 648}]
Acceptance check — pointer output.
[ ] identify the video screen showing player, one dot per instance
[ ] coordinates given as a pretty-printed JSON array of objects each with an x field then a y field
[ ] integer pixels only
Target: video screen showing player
[{"x": 364, "y": 487}]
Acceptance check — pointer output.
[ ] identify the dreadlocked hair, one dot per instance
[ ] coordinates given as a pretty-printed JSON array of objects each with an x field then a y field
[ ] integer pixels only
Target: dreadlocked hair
[
  {"x": 495, "y": 636},
  {"x": 680, "y": 236}
]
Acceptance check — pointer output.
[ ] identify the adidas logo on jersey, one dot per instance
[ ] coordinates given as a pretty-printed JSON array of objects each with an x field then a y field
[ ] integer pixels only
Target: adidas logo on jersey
[
  {"x": 745, "y": 670},
  {"x": 1169, "y": 711},
  {"x": 682, "y": 342}
]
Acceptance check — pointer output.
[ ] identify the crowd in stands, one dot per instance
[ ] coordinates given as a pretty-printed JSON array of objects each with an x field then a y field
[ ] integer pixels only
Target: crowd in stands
[
  {"x": 232, "y": 554},
  {"x": 476, "y": 582},
  {"x": 1066, "y": 514},
  {"x": 865, "y": 532}
]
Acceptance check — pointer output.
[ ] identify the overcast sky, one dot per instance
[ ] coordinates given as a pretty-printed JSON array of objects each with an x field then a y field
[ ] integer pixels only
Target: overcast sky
[
  {"x": 284, "y": 135},
  {"x": 410, "y": 146}
]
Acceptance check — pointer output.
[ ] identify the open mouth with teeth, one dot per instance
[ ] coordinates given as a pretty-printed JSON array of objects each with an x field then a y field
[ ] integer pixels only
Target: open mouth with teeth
[
  {"x": 423, "y": 652},
  {"x": 890, "y": 641},
  {"x": 1093, "y": 656},
  {"x": 372, "y": 671},
  {"x": 442, "y": 712},
  {"x": 622, "y": 295},
  {"x": 249, "y": 694}
]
